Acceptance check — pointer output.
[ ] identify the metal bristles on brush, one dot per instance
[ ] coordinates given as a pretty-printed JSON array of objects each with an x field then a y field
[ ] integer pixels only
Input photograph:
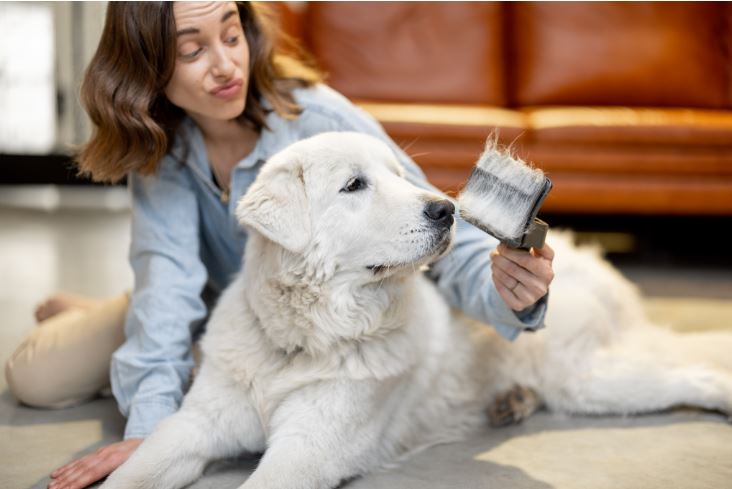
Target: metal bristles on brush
[{"x": 502, "y": 197}]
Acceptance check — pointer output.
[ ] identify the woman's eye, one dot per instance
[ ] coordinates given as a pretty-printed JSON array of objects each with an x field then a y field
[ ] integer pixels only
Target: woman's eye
[
  {"x": 354, "y": 184},
  {"x": 232, "y": 40},
  {"x": 192, "y": 54}
]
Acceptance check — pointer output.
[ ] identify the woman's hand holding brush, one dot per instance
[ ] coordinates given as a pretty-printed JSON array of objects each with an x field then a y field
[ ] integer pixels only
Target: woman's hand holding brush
[
  {"x": 522, "y": 278},
  {"x": 502, "y": 197}
]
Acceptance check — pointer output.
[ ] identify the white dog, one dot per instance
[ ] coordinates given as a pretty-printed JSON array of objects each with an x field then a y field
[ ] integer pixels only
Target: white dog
[{"x": 334, "y": 356}]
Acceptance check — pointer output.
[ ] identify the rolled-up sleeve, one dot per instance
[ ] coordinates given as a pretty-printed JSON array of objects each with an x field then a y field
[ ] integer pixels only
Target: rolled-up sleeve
[
  {"x": 464, "y": 275},
  {"x": 151, "y": 369}
]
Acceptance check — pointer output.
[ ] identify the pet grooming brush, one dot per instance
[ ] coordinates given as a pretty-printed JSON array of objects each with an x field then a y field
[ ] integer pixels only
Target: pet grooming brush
[{"x": 503, "y": 196}]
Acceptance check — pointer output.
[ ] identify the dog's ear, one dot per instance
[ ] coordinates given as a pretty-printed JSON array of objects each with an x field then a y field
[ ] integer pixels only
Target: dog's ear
[{"x": 276, "y": 205}]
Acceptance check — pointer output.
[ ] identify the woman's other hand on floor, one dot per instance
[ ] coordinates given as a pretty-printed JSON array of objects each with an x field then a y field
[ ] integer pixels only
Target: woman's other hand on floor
[{"x": 90, "y": 468}]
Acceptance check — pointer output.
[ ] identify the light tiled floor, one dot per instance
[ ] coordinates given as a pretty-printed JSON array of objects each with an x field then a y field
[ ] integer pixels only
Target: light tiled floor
[
  {"x": 82, "y": 247},
  {"x": 77, "y": 248}
]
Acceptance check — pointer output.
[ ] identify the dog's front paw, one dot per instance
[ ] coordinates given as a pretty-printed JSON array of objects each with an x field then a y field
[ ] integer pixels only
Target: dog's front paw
[{"x": 513, "y": 406}]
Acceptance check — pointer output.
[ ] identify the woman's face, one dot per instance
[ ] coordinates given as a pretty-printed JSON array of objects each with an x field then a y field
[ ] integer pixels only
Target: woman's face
[{"x": 212, "y": 61}]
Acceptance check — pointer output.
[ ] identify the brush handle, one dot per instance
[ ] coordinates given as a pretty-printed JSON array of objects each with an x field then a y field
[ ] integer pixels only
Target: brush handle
[{"x": 534, "y": 236}]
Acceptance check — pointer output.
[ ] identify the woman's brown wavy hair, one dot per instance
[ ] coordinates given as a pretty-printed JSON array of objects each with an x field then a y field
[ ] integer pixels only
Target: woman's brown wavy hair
[{"x": 134, "y": 123}]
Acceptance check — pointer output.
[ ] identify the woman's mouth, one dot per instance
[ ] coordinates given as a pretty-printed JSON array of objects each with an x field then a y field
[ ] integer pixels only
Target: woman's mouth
[{"x": 229, "y": 90}]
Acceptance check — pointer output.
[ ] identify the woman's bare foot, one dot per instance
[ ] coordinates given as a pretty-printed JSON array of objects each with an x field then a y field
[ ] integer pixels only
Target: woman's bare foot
[{"x": 62, "y": 301}]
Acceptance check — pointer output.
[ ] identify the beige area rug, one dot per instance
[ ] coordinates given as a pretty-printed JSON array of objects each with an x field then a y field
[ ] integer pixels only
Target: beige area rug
[
  {"x": 684, "y": 449},
  {"x": 687, "y": 314}
]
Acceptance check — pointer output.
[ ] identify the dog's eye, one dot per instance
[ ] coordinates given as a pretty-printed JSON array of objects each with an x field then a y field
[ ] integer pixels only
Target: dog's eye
[{"x": 354, "y": 184}]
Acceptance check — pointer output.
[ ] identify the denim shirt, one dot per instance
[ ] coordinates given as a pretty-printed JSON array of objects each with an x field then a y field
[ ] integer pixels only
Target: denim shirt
[{"x": 186, "y": 239}]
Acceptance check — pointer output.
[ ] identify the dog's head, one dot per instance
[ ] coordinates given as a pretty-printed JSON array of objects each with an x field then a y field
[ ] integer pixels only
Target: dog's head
[{"x": 341, "y": 199}]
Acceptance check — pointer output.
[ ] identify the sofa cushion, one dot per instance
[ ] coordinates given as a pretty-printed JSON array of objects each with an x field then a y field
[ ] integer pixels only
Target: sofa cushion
[
  {"x": 583, "y": 193},
  {"x": 601, "y": 160},
  {"x": 620, "y": 53},
  {"x": 410, "y": 51},
  {"x": 459, "y": 120},
  {"x": 626, "y": 125}
]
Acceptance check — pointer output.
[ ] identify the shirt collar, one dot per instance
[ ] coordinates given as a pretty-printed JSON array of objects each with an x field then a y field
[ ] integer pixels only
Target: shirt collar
[{"x": 190, "y": 148}]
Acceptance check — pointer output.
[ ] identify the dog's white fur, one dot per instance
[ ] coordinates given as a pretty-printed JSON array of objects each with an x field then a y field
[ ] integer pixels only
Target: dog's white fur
[{"x": 334, "y": 356}]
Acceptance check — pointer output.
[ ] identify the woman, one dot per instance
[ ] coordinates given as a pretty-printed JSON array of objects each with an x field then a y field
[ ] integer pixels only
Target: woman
[{"x": 188, "y": 101}]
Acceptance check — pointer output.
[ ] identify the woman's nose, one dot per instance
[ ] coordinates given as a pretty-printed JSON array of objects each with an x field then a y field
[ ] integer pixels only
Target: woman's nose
[{"x": 222, "y": 65}]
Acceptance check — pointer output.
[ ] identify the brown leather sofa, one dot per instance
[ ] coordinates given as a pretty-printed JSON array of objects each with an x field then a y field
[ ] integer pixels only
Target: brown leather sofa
[{"x": 626, "y": 106}]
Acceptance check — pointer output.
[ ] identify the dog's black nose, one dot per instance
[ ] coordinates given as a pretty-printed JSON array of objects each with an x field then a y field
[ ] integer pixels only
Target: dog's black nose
[{"x": 440, "y": 212}]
